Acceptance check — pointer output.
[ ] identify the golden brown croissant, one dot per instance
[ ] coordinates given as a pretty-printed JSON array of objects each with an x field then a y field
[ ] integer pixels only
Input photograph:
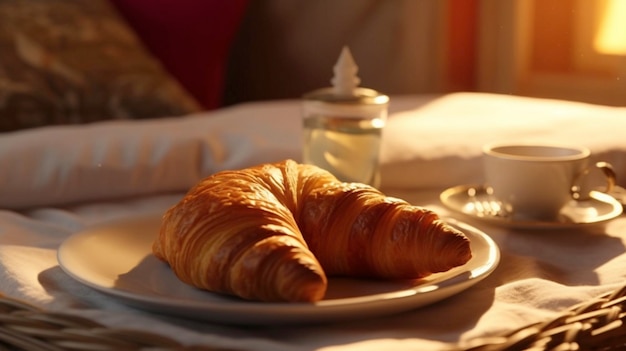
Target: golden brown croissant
[{"x": 275, "y": 231}]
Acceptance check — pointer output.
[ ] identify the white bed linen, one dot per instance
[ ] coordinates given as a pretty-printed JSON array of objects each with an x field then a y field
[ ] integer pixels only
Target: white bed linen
[{"x": 57, "y": 181}]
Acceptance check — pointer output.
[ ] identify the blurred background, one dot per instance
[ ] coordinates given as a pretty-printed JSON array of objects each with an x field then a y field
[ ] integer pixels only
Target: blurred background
[{"x": 566, "y": 49}]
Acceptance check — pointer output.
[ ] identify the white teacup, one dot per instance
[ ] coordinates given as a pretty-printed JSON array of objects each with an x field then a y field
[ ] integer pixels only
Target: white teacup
[{"x": 537, "y": 181}]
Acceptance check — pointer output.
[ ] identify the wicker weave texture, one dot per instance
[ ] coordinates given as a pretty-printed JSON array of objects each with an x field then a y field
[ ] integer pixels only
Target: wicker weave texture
[{"x": 599, "y": 324}]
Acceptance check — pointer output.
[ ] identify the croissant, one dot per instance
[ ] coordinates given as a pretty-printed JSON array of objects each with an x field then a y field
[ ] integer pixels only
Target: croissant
[{"x": 275, "y": 232}]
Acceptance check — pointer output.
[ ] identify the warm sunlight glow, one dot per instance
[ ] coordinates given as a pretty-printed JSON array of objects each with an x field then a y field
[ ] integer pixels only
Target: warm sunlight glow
[{"x": 611, "y": 35}]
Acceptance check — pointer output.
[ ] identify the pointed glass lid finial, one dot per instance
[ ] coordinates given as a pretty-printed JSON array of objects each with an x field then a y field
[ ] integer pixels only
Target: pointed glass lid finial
[{"x": 345, "y": 80}]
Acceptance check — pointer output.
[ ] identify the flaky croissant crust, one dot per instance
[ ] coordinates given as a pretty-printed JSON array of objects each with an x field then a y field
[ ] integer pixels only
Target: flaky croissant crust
[{"x": 274, "y": 232}]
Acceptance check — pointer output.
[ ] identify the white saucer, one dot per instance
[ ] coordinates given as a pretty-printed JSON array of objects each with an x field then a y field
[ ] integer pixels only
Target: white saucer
[{"x": 470, "y": 200}]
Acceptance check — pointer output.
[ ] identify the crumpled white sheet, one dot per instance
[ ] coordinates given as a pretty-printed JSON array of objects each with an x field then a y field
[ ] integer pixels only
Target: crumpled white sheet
[
  {"x": 66, "y": 164},
  {"x": 439, "y": 143},
  {"x": 429, "y": 142},
  {"x": 57, "y": 181}
]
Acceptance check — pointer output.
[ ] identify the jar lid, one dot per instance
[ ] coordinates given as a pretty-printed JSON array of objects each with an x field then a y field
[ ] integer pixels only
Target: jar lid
[{"x": 362, "y": 96}]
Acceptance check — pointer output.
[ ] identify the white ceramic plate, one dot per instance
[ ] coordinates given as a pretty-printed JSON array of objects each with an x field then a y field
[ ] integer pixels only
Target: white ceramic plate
[
  {"x": 468, "y": 199},
  {"x": 116, "y": 259}
]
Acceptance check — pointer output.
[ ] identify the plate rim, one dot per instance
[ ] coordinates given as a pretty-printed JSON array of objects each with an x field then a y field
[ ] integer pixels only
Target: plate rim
[
  {"x": 446, "y": 194},
  {"x": 321, "y": 311}
]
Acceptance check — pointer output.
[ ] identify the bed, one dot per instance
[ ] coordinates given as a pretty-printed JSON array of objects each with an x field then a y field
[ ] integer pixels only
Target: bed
[{"x": 79, "y": 200}]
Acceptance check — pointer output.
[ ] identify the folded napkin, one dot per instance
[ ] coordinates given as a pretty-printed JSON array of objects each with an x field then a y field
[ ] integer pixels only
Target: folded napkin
[{"x": 429, "y": 142}]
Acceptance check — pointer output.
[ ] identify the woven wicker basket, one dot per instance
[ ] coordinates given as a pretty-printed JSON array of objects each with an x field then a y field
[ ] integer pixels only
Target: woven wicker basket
[{"x": 598, "y": 324}]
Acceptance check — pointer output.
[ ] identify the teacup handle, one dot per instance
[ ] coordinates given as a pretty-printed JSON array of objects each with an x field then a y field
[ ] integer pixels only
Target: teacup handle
[{"x": 607, "y": 170}]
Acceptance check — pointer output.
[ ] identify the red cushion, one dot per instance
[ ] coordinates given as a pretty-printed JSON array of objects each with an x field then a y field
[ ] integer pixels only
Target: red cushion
[{"x": 192, "y": 38}]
